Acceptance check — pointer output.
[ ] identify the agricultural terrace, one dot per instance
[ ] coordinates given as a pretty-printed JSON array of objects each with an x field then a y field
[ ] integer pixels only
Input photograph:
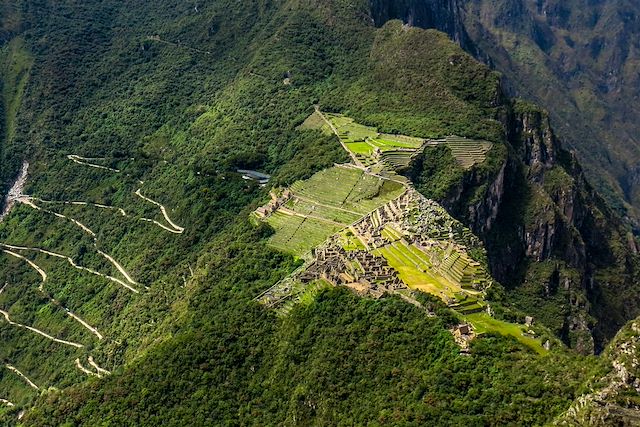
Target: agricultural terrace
[
  {"x": 378, "y": 235},
  {"x": 369, "y": 146},
  {"x": 327, "y": 202},
  {"x": 467, "y": 152},
  {"x": 414, "y": 266}
]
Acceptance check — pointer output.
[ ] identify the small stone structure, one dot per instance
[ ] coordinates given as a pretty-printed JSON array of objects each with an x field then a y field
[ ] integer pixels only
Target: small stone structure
[
  {"x": 274, "y": 204},
  {"x": 463, "y": 334}
]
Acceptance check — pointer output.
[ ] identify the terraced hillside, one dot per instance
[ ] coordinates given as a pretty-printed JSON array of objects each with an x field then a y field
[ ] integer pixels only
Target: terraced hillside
[
  {"x": 312, "y": 210},
  {"x": 370, "y": 148},
  {"x": 468, "y": 152},
  {"x": 379, "y": 236}
]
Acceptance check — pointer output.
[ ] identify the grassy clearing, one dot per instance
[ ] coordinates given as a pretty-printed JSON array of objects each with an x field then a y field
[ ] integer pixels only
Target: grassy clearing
[
  {"x": 330, "y": 199},
  {"x": 402, "y": 259},
  {"x": 401, "y": 140},
  {"x": 360, "y": 148},
  {"x": 356, "y": 132},
  {"x": 315, "y": 121},
  {"x": 483, "y": 323},
  {"x": 349, "y": 241},
  {"x": 297, "y": 235}
]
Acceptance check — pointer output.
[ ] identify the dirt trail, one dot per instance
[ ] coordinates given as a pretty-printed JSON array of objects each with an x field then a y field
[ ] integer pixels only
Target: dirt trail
[
  {"x": 39, "y": 332},
  {"x": 87, "y": 162},
  {"x": 87, "y": 326},
  {"x": 85, "y": 370},
  {"x": 97, "y": 205},
  {"x": 6, "y": 402},
  {"x": 177, "y": 228},
  {"x": 118, "y": 267},
  {"x": 98, "y": 368},
  {"x": 73, "y": 264},
  {"x": 23, "y": 376},
  {"x": 164, "y": 227},
  {"x": 33, "y": 265}
]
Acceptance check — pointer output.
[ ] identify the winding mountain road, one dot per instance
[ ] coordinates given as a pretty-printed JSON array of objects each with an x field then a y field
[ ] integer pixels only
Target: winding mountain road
[
  {"x": 6, "y": 402},
  {"x": 98, "y": 368},
  {"x": 112, "y": 208},
  {"x": 23, "y": 376},
  {"x": 29, "y": 201},
  {"x": 86, "y": 161},
  {"x": 55, "y": 302},
  {"x": 177, "y": 228},
  {"x": 99, "y": 372},
  {"x": 39, "y": 332},
  {"x": 72, "y": 263},
  {"x": 93, "y": 330},
  {"x": 85, "y": 370}
]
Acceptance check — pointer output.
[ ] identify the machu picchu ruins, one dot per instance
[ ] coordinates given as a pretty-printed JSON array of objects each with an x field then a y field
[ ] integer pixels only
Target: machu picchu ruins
[{"x": 363, "y": 226}]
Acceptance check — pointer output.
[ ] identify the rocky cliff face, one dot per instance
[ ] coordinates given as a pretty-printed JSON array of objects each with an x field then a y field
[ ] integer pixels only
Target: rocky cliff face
[
  {"x": 552, "y": 241},
  {"x": 574, "y": 250},
  {"x": 563, "y": 253},
  {"x": 574, "y": 57},
  {"x": 611, "y": 398},
  {"x": 441, "y": 15}
]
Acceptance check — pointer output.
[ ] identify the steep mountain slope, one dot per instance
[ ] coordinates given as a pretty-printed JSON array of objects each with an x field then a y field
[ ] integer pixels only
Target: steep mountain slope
[
  {"x": 133, "y": 102},
  {"x": 579, "y": 59},
  {"x": 550, "y": 240},
  {"x": 576, "y": 58},
  {"x": 613, "y": 398}
]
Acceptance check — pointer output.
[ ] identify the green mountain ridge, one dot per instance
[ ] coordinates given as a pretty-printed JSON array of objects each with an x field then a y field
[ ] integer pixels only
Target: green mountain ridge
[
  {"x": 575, "y": 58},
  {"x": 150, "y": 109}
]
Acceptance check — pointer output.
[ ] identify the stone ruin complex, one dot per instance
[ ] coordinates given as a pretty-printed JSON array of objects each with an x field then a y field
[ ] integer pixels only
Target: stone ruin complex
[
  {"x": 274, "y": 204},
  {"x": 416, "y": 221},
  {"x": 359, "y": 270}
]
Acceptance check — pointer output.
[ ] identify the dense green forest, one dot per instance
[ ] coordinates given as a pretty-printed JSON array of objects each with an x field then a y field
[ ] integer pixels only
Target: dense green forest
[{"x": 166, "y": 100}]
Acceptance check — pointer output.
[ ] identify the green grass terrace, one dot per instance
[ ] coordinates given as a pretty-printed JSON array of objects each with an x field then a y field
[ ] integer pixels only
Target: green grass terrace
[
  {"x": 326, "y": 203},
  {"x": 366, "y": 143}
]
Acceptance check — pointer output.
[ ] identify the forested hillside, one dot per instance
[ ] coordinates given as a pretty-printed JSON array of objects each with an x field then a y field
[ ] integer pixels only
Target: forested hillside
[
  {"x": 130, "y": 265},
  {"x": 576, "y": 58}
]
